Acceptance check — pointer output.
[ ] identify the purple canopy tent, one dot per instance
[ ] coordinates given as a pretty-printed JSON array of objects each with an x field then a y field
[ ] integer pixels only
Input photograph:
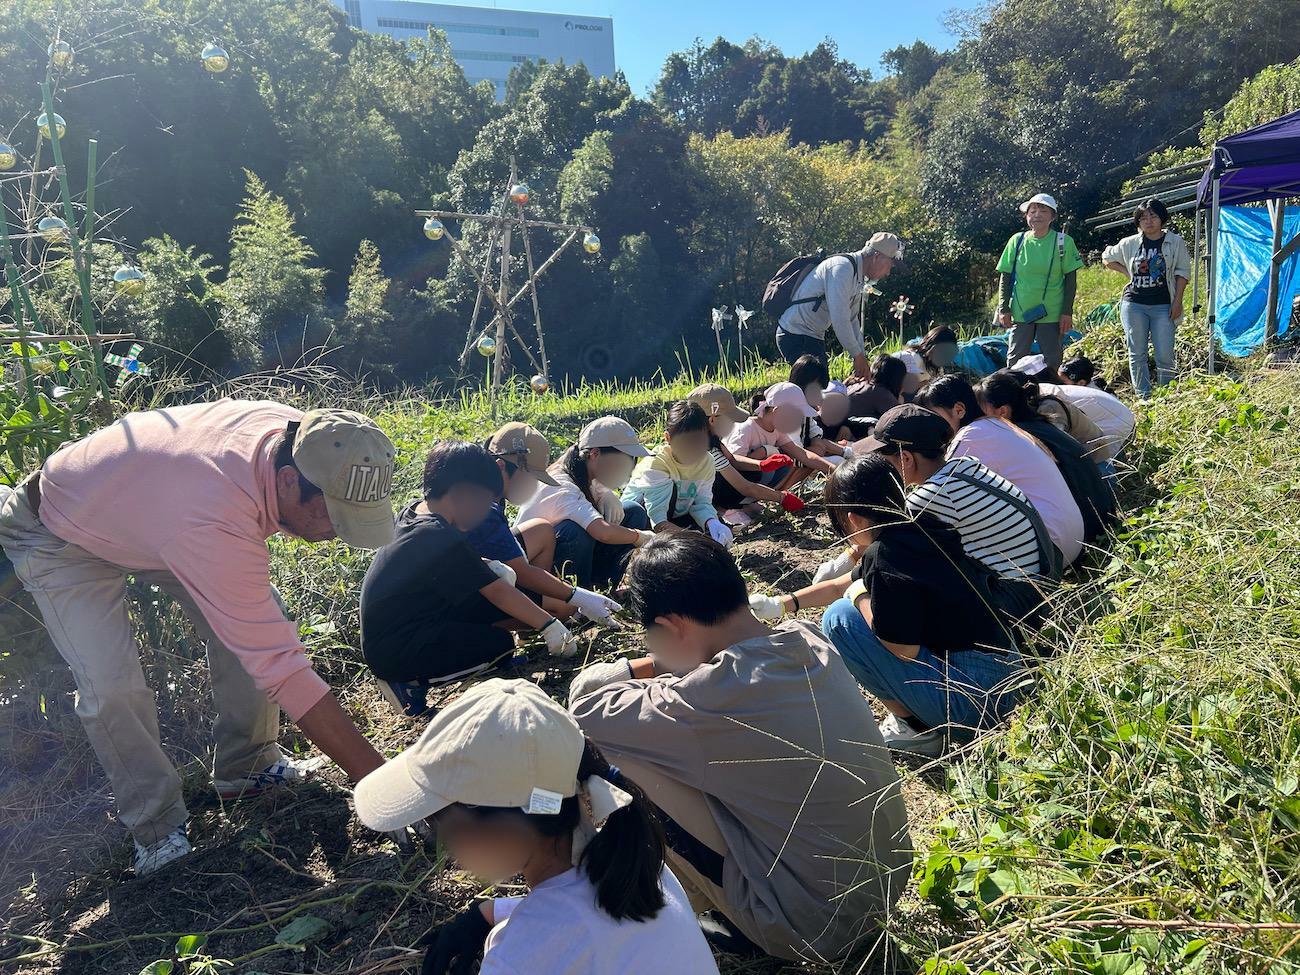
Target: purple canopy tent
[{"x": 1259, "y": 165}]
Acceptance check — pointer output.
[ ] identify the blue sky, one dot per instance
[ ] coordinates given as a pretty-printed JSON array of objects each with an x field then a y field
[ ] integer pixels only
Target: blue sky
[{"x": 647, "y": 31}]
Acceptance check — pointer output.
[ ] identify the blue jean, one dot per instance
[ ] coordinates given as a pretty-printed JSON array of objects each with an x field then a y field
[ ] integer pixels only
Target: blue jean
[
  {"x": 1143, "y": 325},
  {"x": 594, "y": 564},
  {"x": 793, "y": 346},
  {"x": 968, "y": 690}
]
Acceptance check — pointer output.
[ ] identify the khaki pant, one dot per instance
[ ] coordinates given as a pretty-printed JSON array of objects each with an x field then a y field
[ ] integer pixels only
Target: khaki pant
[{"x": 83, "y": 602}]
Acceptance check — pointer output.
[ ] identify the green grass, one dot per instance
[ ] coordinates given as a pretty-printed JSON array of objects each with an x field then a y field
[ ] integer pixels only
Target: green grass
[{"x": 1142, "y": 812}]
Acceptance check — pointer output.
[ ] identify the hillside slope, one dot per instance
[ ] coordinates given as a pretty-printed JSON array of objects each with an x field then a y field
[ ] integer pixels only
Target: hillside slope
[{"x": 1141, "y": 814}]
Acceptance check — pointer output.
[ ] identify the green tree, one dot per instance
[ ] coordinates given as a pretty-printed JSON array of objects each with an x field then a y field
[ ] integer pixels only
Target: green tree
[
  {"x": 818, "y": 98},
  {"x": 703, "y": 87},
  {"x": 270, "y": 282},
  {"x": 180, "y": 311}
]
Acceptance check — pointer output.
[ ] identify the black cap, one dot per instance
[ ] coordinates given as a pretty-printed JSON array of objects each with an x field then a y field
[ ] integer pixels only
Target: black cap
[{"x": 907, "y": 427}]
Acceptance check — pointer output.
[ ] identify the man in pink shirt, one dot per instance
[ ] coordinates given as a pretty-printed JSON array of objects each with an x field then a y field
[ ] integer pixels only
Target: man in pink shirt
[{"x": 185, "y": 499}]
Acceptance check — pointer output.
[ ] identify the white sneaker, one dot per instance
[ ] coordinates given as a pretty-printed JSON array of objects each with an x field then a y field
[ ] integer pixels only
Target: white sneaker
[
  {"x": 150, "y": 859},
  {"x": 737, "y": 518},
  {"x": 285, "y": 771},
  {"x": 901, "y": 737}
]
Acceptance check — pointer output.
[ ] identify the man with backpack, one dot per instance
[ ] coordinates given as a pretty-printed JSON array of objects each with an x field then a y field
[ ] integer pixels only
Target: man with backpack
[{"x": 813, "y": 293}]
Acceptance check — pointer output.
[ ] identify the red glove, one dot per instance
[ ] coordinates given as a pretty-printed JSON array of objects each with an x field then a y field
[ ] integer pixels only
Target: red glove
[
  {"x": 792, "y": 502},
  {"x": 775, "y": 463}
]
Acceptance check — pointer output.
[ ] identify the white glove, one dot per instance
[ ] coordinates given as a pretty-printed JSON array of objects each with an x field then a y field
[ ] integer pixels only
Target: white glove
[
  {"x": 720, "y": 532},
  {"x": 502, "y": 570},
  {"x": 848, "y": 450},
  {"x": 594, "y": 606},
  {"x": 766, "y": 608},
  {"x": 559, "y": 641},
  {"x": 596, "y": 676},
  {"x": 643, "y": 537},
  {"x": 769, "y": 449},
  {"x": 608, "y": 503}
]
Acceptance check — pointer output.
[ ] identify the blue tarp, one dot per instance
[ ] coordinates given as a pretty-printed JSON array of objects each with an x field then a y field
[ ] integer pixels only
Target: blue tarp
[{"x": 1244, "y": 253}]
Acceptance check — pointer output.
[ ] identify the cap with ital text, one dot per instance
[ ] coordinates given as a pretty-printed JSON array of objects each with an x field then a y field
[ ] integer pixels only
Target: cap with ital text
[{"x": 351, "y": 460}]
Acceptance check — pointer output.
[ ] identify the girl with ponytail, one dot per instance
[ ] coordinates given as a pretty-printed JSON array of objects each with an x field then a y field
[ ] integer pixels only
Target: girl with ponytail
[{"x": 515, "y": 788}]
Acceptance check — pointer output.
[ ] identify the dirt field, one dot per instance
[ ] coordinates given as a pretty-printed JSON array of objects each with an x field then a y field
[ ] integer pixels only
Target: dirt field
[{"x": 71, "y": 904}]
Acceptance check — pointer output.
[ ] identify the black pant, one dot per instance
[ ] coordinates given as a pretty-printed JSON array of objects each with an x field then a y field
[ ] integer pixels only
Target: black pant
[
  {"x": 793, "y": 346},
  {"x": 466, "y": 641}
]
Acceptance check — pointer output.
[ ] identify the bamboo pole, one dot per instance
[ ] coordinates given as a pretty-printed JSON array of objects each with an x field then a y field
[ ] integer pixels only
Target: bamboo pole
[
  {"x": 18, "y": 293},
  {"x": 80, "y": 260}
]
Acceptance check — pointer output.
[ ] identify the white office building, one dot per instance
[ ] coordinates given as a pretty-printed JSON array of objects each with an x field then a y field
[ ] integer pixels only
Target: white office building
[{"x": 488, "y": 42}]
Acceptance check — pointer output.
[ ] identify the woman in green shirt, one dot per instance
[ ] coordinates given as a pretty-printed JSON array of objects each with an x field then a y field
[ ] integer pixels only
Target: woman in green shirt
[{"x": 1036, "y": 290}]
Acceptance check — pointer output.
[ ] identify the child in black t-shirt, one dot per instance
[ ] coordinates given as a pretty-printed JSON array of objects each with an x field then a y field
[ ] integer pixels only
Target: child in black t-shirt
[
  {"x": 431, "y": 609},
  {"x": 916, "y": 626}
]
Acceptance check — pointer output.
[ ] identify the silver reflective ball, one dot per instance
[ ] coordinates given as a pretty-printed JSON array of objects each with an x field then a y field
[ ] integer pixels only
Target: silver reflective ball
[
  {"x": 591, "y": 243},
  {"x": 129, "y": 279},
  {"x": 519, "y": 193},
  {"x": 43, "y": 124},
  {"x": 53, "y": 229},
  {"x": 433, "y": 228},
  {"x": 61, "y": 55},
  {"x": 540, "y": 384},
  {"x": 8, "y": 157},
  {"x": 487, "y": 345},
  {"x": 215, "y": 58}
]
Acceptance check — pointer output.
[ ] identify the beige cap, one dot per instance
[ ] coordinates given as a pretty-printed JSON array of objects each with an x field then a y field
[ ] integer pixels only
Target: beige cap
[
  {"x": 887, "y": 244},
  {"x": 522, "y": 445},
  {"x": 351, "y": 461},
  {"x": 612, "y": 431},
  {"x": 502, "y": 744},
  {"x": 717, "y": 401}
]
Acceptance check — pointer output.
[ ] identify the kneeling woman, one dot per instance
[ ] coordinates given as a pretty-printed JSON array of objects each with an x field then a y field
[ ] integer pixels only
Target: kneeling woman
[
  {"x": 595, "y": 531},
  {"x": 515, "y": 788},
  {"x": 916, "y": 626}
]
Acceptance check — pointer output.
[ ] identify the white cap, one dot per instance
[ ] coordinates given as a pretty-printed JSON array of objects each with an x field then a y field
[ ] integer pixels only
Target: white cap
[
  {"x": 1043, "y": 198},
  {"x": 788, "y": 394},
  {"x": 1030, "y": 365},
  {"x": 503, "y": 743}
]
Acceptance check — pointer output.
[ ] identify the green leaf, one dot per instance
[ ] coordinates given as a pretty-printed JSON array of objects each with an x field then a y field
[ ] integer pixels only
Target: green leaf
[
  {"x": 162, "y": 966},
  {"x": 190, "y": 944},
  {"x": 302, "y": 930}
]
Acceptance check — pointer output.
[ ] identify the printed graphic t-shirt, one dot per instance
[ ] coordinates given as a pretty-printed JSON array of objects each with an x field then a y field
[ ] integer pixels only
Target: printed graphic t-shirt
[{"x": 1148, "y": 281}]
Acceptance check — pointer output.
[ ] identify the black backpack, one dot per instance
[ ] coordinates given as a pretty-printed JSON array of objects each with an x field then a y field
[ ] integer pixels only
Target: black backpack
[{"x": 778, "y": 296}]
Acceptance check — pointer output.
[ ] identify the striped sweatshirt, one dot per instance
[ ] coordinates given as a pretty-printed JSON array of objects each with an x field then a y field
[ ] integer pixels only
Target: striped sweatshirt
[{"x": 992, "y": 529}]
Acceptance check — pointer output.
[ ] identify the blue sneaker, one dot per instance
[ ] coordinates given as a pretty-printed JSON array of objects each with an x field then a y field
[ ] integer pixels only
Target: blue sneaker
[{"x": 407, "y": 697}]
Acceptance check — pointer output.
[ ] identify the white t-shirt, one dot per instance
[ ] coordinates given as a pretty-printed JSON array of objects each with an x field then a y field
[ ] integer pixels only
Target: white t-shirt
[
  {"x": 749, "y": 435},
  {"x": 559, "y": 929},
  {"x": 1019, "y": 458},
  {"x": 1115, "y": 419},
  {"x": 556, "y": 504}
]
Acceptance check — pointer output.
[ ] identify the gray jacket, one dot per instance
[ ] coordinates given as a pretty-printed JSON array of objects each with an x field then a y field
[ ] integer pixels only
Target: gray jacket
[{"x": 838, "y": 280}]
